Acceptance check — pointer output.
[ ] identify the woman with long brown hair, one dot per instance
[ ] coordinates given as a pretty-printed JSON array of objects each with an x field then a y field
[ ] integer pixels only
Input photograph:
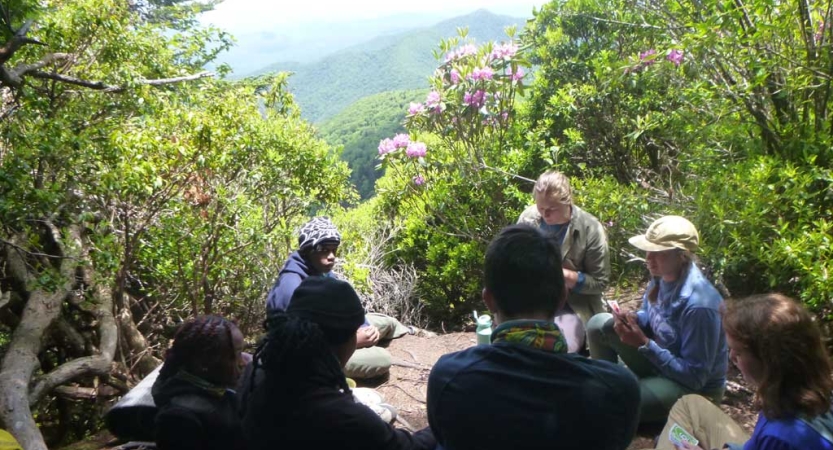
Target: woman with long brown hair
[{"x": 778, "y": 348}]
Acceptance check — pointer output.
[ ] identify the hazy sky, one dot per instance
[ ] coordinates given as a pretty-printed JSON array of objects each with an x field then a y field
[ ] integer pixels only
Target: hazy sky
[{"x": 252, "y": 15}]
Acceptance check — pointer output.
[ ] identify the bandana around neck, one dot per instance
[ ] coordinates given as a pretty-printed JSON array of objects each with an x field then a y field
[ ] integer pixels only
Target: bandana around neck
[{"x": 532, "y": 333}]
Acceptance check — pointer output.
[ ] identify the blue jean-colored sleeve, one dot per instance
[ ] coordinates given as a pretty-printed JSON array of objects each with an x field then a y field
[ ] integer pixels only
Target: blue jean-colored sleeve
[
  {"x": 700, "y": 333},
  {"x": 281, "y": 293},
  {"x": 642, "y": 319}
]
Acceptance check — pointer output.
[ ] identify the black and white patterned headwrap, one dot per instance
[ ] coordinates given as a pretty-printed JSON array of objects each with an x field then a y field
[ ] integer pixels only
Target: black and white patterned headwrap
[{"x": 316, "y": 231}]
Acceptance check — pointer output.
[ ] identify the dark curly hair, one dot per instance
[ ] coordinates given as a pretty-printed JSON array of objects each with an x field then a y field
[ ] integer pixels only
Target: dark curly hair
[{"x": 204, "y": 347}]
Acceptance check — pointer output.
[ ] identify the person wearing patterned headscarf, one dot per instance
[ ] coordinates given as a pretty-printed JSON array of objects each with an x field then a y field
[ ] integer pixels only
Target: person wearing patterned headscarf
[{"x": 318, "y": 242}]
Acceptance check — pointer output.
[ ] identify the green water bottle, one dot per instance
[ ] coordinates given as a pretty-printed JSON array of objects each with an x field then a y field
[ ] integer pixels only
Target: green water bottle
[{"x": 484, "y": 329}]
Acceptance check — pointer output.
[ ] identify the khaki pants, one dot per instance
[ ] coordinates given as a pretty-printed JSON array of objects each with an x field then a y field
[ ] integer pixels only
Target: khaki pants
[
  {"x": 375, "y": 361},
  {"x": 703, "y": 420}
]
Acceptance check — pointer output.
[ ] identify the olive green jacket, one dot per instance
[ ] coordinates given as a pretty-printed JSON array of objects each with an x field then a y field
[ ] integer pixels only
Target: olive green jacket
[{"x": 584, "y": 250}]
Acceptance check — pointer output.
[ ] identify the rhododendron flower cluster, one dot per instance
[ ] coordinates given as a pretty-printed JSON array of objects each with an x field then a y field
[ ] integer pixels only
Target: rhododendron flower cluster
[
  {"x": 433, "y": 100},
  {"x": 675, "y": 56},
  {"x": 415, "y": 108},
  {"x": 466, "y": 50},
  {"x": 416, "y": 150},
  {"x": 476, "y": 100},
  {"x": 485, "y": 73},
  {"x": 504, "y": 51},
  {"x": 471, "y": 99},
  {"x": 455, "y": 76},
  {"x": 647, "y": 57},
  {"x": 390, "y": 145}
]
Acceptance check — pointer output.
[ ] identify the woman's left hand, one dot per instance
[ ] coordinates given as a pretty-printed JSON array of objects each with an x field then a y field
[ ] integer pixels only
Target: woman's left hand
[{"x": 627, "y": 328}]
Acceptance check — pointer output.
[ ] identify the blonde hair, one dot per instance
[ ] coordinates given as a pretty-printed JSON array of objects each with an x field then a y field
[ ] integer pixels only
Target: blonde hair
[{"x": 554, "y": 185}]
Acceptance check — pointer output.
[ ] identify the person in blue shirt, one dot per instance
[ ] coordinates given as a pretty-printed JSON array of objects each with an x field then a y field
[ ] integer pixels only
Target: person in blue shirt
[
  {"x": 778, "y": 348},
  {"x": 318, "y": 242},
  {"x": 675, "y": 344},
  {"x": 525, "y": 390}
]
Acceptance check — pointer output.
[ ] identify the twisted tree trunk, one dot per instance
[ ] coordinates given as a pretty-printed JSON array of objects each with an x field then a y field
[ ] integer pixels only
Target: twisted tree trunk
[{"x": 20, "y": 390}]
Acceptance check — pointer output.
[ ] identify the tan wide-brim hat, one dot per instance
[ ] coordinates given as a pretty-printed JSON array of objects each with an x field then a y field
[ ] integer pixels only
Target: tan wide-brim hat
[{"x": 668, "y": 233}]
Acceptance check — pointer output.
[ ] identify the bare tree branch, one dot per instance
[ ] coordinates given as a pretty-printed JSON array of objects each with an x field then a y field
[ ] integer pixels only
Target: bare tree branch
[
  {"x": 101, "y": 86},
  {"x": 18, "y": 40}
]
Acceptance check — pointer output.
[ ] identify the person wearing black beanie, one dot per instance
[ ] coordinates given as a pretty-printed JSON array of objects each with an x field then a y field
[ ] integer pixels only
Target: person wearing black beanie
[{"x": 295, "y": 394}]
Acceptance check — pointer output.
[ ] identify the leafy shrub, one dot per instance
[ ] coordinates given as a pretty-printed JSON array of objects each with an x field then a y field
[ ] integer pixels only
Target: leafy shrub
[{"x": 768, "y": 226}]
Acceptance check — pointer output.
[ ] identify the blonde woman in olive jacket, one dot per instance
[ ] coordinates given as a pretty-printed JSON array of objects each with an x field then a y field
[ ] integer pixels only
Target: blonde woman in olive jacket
[{"x": 585, "y": 257}]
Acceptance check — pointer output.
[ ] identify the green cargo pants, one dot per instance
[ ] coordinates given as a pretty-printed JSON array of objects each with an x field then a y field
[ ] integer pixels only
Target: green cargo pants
[
  {"x": 374, "y": 361},
  {"x": 658, "y": 394}
]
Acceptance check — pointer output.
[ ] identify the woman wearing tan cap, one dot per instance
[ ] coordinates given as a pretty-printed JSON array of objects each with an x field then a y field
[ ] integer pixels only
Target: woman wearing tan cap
[{"x": 675, "y": 344}]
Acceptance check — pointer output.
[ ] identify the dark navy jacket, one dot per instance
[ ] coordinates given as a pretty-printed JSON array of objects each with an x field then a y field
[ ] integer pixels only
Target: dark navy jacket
[
  {"x": 508, "y": 395},
  {"x": 293, "y": 272}
]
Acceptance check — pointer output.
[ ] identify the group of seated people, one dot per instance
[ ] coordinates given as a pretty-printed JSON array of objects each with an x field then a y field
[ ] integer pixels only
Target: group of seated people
[{"x": 535, "y": 385}]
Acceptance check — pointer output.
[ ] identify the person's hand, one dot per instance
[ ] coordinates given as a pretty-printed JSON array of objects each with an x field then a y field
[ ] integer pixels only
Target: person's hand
[
  {"x": 570, "y": 278},
  {"x": 626, "y": 326},
  {"x": 367, "y": 336}
]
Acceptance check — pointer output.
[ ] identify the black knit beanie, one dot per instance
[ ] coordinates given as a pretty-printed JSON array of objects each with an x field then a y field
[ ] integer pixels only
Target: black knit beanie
[{"x": 331, "y": 304}]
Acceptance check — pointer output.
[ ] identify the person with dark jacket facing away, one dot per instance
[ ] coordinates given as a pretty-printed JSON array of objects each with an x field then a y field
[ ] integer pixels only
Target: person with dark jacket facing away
[
  {"x": 524, "y": 390},
  {"x": 197, "y": 407},
  {"x": 295, "y": 395}
]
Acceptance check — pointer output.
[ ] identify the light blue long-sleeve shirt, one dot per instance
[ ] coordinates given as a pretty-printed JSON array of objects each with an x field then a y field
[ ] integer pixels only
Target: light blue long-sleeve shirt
[{"x": 687, "y": 343}]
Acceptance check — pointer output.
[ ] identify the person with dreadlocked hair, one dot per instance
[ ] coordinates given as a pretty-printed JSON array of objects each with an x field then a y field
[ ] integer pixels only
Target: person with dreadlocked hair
[
  {"x": 295, "y": 394},
  {"x": 197, "y": 406}
]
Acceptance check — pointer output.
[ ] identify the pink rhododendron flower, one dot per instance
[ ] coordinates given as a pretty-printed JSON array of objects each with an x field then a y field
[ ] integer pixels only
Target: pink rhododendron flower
[
  {"x": 433, "y": 99},
  {"x": 461, "y": 52},
  {"x": 484, "y": 73},
  {"x": 675, "y": 56},
  {"x": 647, "y": 57},
  {"x": 416, "y": 108},
  {"x": 401, "y": 140},
  {"x": 386, "y": 146},
  {"x": 504, "y": 51},
  {"x": 416, "y": 149},
  {"x": 518, "y": 75},
  {"x": 475, "y": 100},
  {"x": 455, "y": 76},
  {"x": 418, "y": 180}
]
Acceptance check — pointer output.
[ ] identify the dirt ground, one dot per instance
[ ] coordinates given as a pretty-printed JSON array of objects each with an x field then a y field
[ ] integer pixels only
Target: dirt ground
[{"x": 406, "y": 385}]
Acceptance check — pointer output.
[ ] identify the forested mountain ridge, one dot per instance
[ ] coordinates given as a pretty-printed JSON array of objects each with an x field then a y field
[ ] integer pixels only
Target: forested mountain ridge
[
  {"x": 361, "y": 126},
  {"x": 388, "y": 63}
]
